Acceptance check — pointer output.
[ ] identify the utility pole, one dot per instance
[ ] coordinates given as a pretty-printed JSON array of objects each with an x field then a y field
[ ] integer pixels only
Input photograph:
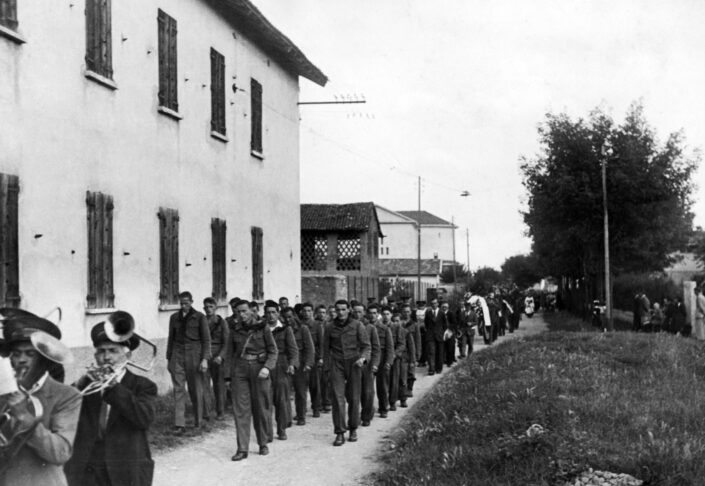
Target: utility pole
[
  {"x": 455, "y": 277},
  {"x": 605, "y": 218},
  {"x": 418, "y": 254},
  {"x": 467, "y": 243}
]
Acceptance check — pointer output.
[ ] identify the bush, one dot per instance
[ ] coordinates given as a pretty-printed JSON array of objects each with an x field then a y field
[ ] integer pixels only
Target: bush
[{"x": 656, "y": 287}]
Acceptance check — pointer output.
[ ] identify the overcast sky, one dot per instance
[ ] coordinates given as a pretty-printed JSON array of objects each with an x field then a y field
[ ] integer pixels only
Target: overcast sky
[{"x": 456, "y": 89}]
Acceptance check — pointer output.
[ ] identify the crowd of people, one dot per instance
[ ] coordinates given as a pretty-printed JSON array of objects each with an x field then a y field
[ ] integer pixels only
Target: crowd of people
[
  {"x": 668, "y": 316},
  {"x": 354, "y": 361}
]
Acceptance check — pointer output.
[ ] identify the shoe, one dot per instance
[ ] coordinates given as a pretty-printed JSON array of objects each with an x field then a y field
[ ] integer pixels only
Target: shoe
[
  {"x": 403, "y": 404},
  {"x": 431, "y": 373},
  {"x": 179, "y": 430},
  {"x": 288, "y": 424},
  {"x": 339, "y": 440},
  {"x": 263, "y": 450},
  {"x": 239, "y": 456},
  {"x": 393, "y": 408},
  {"x": 365, "y": 423},
  {"x": 282, "y": 436},
  {"x": 316, "y": 414},
  {"x": 383, "y": 414},
  {"x": 301, "y": 421},
  {"x": 353, "y": 436},
  {"x": 327, "y": 409}
]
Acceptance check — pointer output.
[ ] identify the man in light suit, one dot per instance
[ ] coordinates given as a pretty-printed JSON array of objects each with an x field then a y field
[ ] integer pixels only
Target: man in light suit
[{"x": 111, "y": 443}]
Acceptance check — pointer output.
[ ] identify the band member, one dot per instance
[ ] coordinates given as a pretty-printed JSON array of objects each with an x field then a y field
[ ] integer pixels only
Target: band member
[
  {"x": 314, "y": 378},
  {"x": 188, "y": 351},
  {"x": 436, "y": 324},
  {"x": 367, "y": 379},
  {"x": 220, "y": 333},
  {"x": 253, "y": 354},
  {"x": 111, "y": 445},
  {"x": 386, "y": 346},
  {"x": 45, "y": 410},
  {"x": 287, "y": 362},
  {"x": 346, "y": 344},
  {"x": 412, "y": 327},
  {"x": 307, "y": 353}
]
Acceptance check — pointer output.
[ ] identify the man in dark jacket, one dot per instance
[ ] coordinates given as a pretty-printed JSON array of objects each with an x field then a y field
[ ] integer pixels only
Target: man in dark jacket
[
  {"x": 111, "y": 446},
  {"x": 346, "y": 348},
  {"x": 449, "y": 342},
  {"x": 436, "y": 324},
  {"x": 188, "y": 350},
  {"x": 386, "y": 355},
  {"x": 412, "y": 327},
  {"x": 315, "y": 329},
  {"x": 220, "y": 333},
  {"x": 369, "y": 369},
  {"x": 307, "y": 354}
]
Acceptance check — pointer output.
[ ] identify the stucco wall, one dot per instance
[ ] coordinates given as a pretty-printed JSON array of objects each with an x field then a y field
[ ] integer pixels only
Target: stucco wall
[
  {"x": 402, "y": 241},
  {"x": 64, "y": 134},
  {"x": 324, "y": 289}
]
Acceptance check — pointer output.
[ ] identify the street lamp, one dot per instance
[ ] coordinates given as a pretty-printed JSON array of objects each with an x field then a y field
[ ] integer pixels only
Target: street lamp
[{"x": 606, "y": 152}]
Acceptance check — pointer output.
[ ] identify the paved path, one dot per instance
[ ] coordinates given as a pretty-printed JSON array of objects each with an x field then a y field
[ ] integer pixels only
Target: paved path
[{"x": 307, "y": 458}]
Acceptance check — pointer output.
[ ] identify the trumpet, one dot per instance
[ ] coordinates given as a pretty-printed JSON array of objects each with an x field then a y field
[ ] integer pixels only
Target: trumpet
[{"x": 120, "y": 327}]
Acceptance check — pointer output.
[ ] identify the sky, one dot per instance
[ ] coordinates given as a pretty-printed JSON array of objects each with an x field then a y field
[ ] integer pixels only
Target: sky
[{"x": 456, "y": 90}]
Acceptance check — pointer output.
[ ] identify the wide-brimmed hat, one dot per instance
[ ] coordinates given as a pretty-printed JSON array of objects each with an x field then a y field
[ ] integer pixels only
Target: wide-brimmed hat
[{"x": 18, "y": 325}]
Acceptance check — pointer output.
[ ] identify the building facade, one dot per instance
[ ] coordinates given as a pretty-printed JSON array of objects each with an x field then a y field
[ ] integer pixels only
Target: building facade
[
  {"x": 401, "y": 235},
  {"x": 146, "y": 148}
]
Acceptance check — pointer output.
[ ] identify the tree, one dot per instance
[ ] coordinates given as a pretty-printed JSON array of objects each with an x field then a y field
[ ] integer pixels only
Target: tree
[
  {"x": 461, "y": 274},
  {"x": 484, "y": 279},
  {"x": 523, "y": 270},
  {"x": 649, "y": 191}
]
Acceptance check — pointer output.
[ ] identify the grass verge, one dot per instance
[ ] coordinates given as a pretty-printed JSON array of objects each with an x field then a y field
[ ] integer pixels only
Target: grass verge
[
  {"x": 620, "y": 402},
  {"x": 564, "y": 321}
]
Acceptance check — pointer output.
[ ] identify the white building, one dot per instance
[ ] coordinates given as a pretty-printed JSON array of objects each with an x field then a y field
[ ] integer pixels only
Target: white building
[
  {"x": 146, "y": 147},
  {"x": 400, "y": 230}
]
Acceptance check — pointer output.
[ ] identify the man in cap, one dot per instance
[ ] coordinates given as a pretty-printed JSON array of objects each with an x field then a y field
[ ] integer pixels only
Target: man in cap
[
  {"x": 307, "y": 354},
  {"x": 188, "y": 350},
  {"x": 45, "y": 410},
  {"x": 253, "y": 355},
  {"x": 111, "y": 445}
]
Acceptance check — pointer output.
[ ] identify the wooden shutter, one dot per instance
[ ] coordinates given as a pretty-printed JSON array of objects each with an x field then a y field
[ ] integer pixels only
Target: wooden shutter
[
  {"x": 257, "y": 264},
  {"x": 256, "y": 116},
  {"x": 91, "y": 35},
  {"x": 9, "y": 248},
  {"x": 99, "y": 37},
  {"x": 167, "y": 61},
  {"x": 8, "y": 14},
  {"x": 218, "y": 230},
  {"x": 100, "y": 250},
  {"x": 217, "y": 92},
  {"x": 169, "y": 256},
  {"x": 173, "y": 97},
  {"x": 105, "y": 34}
]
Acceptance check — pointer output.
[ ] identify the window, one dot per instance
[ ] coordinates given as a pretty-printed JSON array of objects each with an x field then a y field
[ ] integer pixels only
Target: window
[
  {"x": 217, "y": 92},
  {"x": 257, "y": 264},
  {"x": 256, "y": 117},
  {"x": 8, "y": 14},
  {"x": 99, "y": 58},
  {"x": 167, "y": 62},
  {"x": 9, "y": 250},
  {"x": 218, "y": 243},
  {"x": 169, "y": 256},
  {"x": 348, "y": 253},
  {"x": 100, "y": 251},
  {"x": 314, "y": 252}
]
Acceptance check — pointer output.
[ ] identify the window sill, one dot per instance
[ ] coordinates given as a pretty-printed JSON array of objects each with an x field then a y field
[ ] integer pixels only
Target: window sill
[
  {"x": 257, "y": 154},
  {"x": 100, "y": 79},
  {"x": 170, "y": 113},
  {"x": 99, "y": 311},
  {"x": 219, "y": 136},
  {"x": 169, "y": 307},
  {"x": 13, "y": 35}
]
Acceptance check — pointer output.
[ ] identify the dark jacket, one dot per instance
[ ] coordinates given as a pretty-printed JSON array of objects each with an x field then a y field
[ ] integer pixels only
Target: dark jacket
[
  {"x": 316, "y": 330},
  {"x": 413, "y": 328},
  {"x": 435, "y": 326},
  {"x": 193, "y": 329},
  {"x": 375, "y": 349},
  {"x": 220, "y": 333},
  {"x": 353, "y": 337},
  {"x": 286, "y": 345},
  {"x": 253, "y": 339},
  {"x": 409, "y": 355},
  {"x": 127, "y": 454},
  {"x": 304, "y": 342},
  {"x": 399, "y": 338},
  {"x": 386, "y": 344}
]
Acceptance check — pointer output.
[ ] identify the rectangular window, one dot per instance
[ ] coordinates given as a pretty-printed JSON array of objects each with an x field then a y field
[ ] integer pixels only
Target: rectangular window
[
  {"x": 9, "y": 248},
  {"x": 256, "y": 116},
  {"x": 349, "y": 253},
  {"x": 220, "y": 293},
  {"x": 100, "y": 251},
  {"x": 99, "y": 57},
  {"x": 167, "y": 62},
  {"x": 169, "y": 256},
  {"x": 8, "y": 14},
  {"x": 217, "y": 92},
  {"x": 257, "y": 264}
]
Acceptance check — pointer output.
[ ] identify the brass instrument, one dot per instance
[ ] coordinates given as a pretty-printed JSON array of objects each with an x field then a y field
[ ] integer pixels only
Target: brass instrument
[{"x": 120, "y": 327}]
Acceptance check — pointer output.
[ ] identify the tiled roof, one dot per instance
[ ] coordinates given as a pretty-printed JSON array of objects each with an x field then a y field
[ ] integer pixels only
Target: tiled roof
[
  {"x": 424, "y": 217},
  {"x": 338, "y": 217},
  {"x": 408, "y": 266},
  {"x": 245, "y": 16}
]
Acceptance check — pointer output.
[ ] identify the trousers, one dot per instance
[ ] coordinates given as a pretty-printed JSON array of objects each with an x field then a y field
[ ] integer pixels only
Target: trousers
[
  {"x": 383, "y": 389},
  {"x": 345, "y": 383},
  {"x": 183, "y": 367},
  {"x": 281, "y": 391},
  {"x": 435, "y": 351},
  {"x": 251, "y": 402},
  {"x": 301, "y": 380},
  {"x": 367, "y": 393},
  {"x": 315, "y": 389}
]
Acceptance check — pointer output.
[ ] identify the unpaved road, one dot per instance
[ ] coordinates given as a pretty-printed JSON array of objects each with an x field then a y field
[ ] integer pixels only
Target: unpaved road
[{"x": 307, "y": 457}]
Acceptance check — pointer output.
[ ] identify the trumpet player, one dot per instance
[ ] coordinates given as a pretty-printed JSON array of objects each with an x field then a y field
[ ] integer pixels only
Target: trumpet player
[
  {"x": 45, "y": 410},
  {"x": 111, "y": 445}
]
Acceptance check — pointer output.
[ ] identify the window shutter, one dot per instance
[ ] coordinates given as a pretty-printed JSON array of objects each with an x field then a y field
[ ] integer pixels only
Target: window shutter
[
  {"x": 256, "y": 116},
  {"x": 169, "y": 255},
  {"x": 8, "y": 14},
  {"x": 257, "y": 264},
  {"x": 92, "y": 222},
  {"x": 218, "y": 232},
  {"x": 9, "y": 248},
  {"x": 162, "y": 24},
  {"x": 108, "y": 296},
  {"x": 217, "y": 92},
  {"x": 91, "y": 34},
  {"x": 106, "y": 64},
  {"x": 173, "y": 95}
]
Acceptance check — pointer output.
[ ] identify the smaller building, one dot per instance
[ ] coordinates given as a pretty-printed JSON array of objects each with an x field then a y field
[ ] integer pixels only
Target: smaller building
[
  {"x": 339, "y": 252},
  {"x": 402, "y": 239}
]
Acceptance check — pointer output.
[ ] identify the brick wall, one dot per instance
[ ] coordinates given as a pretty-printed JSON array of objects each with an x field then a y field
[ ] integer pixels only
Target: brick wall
[{"x": 323, "y": 289}]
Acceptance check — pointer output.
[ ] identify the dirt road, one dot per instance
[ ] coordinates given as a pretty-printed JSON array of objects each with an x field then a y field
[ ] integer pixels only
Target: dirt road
[{"x": 307, "y": 457}]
